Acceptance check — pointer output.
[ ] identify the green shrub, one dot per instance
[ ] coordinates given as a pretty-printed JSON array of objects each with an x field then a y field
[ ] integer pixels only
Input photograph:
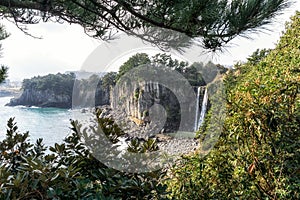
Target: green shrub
[
  {"x": 70, "y": 171},
  {"x": 258, "y": 153}
]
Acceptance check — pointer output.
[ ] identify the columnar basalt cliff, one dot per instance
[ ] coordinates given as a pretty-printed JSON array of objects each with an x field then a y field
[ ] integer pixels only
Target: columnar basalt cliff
[{"x": 152, "y": 103}]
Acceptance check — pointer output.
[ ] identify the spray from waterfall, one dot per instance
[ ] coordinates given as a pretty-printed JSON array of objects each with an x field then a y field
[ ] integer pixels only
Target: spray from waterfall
[
  {"x": 197, "y": 109},
  {"x": 203, "y": 108}
]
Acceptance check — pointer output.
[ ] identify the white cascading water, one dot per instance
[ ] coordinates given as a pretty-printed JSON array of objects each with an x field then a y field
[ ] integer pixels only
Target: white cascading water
[
  {"x": 157, "y": 88},
  {"x": 203, "y": 109},
  {"x": 197, "y": 109}
]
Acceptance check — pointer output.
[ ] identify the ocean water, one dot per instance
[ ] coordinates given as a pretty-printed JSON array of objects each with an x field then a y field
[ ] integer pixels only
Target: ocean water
[{"x": 51, "y": 124}]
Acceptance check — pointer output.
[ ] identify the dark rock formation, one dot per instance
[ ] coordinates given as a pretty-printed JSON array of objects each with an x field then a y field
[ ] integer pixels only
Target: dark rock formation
[{"x": 45, "y": 98}]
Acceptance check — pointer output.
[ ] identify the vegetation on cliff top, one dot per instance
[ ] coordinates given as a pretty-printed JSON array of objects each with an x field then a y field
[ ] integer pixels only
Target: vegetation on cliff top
[
  {"x": 59, "y": 83},
  {"x": 197, "y": 74}
]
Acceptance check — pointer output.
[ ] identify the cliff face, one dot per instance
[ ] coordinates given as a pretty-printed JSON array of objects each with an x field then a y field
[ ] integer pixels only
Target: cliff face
[
  {"x": 50, "y": 98},
  {"x": 152, "y": 103},
  {"x": 58, "y": 91},
  {"x": 45, "y": 98}
]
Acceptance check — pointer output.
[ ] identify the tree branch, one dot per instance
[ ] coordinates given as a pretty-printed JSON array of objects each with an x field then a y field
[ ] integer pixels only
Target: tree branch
[{"x": 35, "y": 5}]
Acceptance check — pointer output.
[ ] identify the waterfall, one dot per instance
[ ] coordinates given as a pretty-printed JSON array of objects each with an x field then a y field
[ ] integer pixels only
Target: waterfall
[
  {"x": 203, "y": 108},
  {"x": 157, "y": 92},
  {"x": 150, "y": 86},
  {"x": 197, "y": 109}
]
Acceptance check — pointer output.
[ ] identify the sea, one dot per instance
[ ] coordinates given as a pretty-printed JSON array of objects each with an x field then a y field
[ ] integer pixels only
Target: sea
[{"x": 50, "y": 124}]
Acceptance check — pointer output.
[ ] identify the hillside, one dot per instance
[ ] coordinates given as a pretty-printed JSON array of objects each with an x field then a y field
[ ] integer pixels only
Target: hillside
[{"x": 258, "y": 153}]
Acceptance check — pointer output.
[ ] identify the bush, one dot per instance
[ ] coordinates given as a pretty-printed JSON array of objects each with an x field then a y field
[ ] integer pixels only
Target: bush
[
  {"x": 70, "y": 171},
  {"x": 258, "y": 153}
]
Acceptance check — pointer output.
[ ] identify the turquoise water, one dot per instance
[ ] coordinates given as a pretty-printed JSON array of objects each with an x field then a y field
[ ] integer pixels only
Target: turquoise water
[{"x": 51, "y": 124}]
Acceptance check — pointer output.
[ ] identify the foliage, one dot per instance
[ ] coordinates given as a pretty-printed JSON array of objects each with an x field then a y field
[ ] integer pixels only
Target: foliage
[
  {"x": 3, "y": 69},
  {"x": 70, "y": 171},
  {"x": 137, "y": 146},
  {"x": 109, "y": 79},
  {"x": 165, "y": 61},
  {"x": 189, "y": 72},
  {"x": 215, "y": 22},
  {"x": 59, "y": 83},
  {"x": 3, "y": 33},
  {"x": 209, "y": 71},
  {"x": 258, "y": 55},
  {"x": 110, "y": 129},
  {"x": 257, "y": 155},
  {"x": 3, "y": 73},
  {"x": 133, "y": 62}
]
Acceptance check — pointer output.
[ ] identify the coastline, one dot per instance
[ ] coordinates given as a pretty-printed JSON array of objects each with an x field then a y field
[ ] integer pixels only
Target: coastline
[{"x": 172, "y": 143}]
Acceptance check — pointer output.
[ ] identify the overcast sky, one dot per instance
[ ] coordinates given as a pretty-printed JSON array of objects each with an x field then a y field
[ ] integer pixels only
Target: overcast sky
[{"x": 65, "y": 47}]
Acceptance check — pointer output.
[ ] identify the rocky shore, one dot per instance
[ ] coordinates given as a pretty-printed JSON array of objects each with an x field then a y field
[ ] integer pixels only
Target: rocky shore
[{"x": 171, "y": 143}]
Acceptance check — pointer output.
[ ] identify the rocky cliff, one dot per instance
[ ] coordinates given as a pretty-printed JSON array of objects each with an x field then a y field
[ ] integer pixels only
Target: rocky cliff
[
  {"x": 57, "y": 91},
  {"x": 44, "y": 98},
  {"x": 153, "y": 104}
]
